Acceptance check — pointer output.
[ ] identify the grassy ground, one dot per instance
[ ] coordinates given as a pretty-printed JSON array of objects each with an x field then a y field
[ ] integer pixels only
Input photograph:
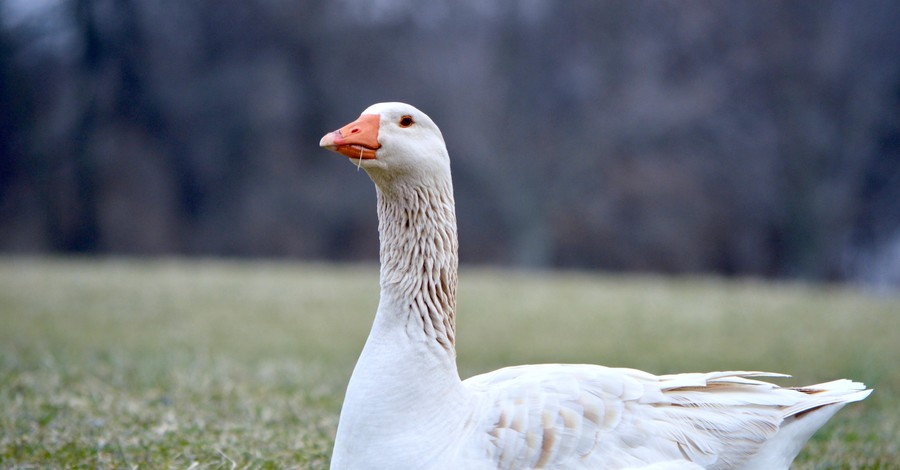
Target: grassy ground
[{"x": 177, "y": 364}]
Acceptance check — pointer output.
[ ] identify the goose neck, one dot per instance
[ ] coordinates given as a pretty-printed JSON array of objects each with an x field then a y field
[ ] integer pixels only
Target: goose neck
[{"x": 419, "y": 261}]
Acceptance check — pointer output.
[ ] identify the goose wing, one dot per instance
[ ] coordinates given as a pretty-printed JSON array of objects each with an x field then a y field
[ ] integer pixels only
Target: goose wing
[{"x": 567, "y": 416}]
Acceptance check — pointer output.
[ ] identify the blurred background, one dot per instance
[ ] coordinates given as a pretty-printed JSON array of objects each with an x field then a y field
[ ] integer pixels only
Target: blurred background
[{"x": 736, "y": 138}]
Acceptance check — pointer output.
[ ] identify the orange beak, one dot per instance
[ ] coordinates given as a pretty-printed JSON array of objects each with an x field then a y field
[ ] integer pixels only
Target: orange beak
[{"x": 359, "y": 139}]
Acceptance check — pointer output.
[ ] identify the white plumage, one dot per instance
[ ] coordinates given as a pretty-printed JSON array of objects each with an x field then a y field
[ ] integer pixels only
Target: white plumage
[{"x": 406, "y": 408}]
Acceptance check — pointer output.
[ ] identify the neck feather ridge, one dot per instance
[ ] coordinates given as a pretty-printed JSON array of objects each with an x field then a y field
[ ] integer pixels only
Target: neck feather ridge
[{"x": 419, "y": 261}]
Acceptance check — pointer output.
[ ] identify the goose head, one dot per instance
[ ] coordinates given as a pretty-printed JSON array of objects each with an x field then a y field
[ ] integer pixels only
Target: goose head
[{"x": 394, "y": 143}]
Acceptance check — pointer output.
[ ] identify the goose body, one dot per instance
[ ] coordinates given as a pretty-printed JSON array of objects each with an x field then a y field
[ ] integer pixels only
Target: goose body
[{"x": 406, "y": 407}]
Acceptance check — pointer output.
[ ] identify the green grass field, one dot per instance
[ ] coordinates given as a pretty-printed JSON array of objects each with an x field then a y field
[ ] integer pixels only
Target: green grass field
[{"x": 210, "y": 364}]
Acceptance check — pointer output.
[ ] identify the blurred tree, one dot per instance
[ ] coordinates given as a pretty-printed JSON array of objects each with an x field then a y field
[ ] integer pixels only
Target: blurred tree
[{"x": 739, "y": 138}]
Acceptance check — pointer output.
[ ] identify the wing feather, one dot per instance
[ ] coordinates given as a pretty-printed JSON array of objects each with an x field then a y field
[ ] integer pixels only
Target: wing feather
[{"x": 560, "y": 416}]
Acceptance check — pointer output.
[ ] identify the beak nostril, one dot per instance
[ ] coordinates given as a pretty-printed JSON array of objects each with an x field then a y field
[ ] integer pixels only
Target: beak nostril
[{"x": 359, "y": 139}]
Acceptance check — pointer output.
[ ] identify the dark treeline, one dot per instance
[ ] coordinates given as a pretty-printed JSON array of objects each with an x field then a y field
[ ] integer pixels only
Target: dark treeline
[{"x": 743, "y": 138}]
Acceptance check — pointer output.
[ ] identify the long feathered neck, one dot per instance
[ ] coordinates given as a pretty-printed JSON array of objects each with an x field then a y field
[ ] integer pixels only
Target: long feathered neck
[{"x": 419, "y": 261}]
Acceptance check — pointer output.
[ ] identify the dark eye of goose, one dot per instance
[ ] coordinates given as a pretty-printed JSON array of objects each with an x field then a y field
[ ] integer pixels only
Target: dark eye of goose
[{"x": 406, "y": 121}]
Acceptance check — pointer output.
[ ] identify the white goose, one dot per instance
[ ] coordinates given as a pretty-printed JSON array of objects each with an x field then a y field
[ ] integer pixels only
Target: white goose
[{"x": 406, "y": 407}]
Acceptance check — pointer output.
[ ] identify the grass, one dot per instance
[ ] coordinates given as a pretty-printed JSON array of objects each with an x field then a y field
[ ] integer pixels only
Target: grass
[{"x": 211, "y": 364}]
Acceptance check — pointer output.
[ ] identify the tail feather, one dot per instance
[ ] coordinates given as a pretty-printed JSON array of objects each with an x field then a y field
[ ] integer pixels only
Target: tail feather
[
  {"x": 803, "y": 420},
  {"x": 828, "y": 393}
]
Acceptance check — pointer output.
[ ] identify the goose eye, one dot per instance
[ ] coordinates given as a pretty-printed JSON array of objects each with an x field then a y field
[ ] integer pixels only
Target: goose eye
[{"x": 406, "y": 121}]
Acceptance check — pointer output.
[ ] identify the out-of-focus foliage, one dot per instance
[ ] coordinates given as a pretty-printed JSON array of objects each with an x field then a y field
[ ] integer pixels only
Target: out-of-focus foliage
[{"x": 752, "y": 138}]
